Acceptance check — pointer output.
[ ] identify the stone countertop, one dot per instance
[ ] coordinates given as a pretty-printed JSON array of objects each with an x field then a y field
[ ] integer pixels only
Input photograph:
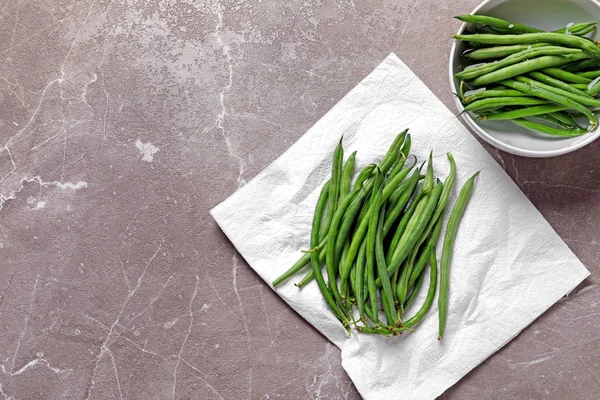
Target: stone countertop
[{"x": 122, "y": 123}]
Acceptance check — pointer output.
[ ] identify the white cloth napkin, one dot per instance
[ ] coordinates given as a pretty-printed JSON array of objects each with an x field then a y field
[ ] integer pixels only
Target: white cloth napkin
[{"x": 509, "y": 265}]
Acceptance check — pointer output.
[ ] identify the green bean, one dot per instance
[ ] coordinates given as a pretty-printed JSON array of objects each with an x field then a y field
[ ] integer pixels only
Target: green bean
[
  {"x": 585, "y": 100},
  {"x": 585, "y": 31},
  {"x": 533, "y": 126},
  {"x": 415, "y": 291},
  {"x": 565, "y": 119},
  {"x": 487, "y": 53},
  {"x": 334, "y": 187},
  {"x": 316, "y": 266},
  {"x": 523, "y": 112},
  {"x": 360, "y": 282},
  {"x": 402, "y": 286},
  {"x": 553, "y": 97},
  {"x": 399, "y": 206},
  {"x": 347, "y": 173},
  {"x": 525, "y": 67},
  {"x": 474, "y": 72},
  {"x": 581, "y": 86},
  {"x": 549, "y": 118},
  {"x": 577, "y": 28},
  {"x": 413, "y": 231},
  {"x": 333, "y": 248},
  {"x": 392, "y": 155},
  {"x": 566, "y": 40},
  {"x": 344, "y": 231},
  {"x": 496, "y": 23},
  {"x": 585, "y": 64},
  {"x": 376, "y": 202},
  {"x": 393, "y": 199},
  {"x": 565, "y": 75},
  {"x": 434, "y": 225},
  {"x": 451, "y": 230},
  {"x": 593, "y": 88},
  {"x": 387, "y": 298},
  {"x": 589, "y": 74},
  {"x": 504, "y": 102},
  {"x": 363, "y": 176},
  {"x": 556, "y": 83},
  {"x": 429, "y": 247},
  {"x": 305, "y": 259},
  {"x": 404, "y": 223},
  {"x": 502, "y": 92},
  {"x": 430, "y": 294}
]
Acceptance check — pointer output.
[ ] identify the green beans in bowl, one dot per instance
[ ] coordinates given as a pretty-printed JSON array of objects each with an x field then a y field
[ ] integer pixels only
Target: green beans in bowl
[{"x": 526, "y": 75}]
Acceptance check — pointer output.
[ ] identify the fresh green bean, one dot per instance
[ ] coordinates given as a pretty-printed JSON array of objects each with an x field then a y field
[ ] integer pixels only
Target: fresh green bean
[
  {"x": 589, "y": 74},
  {"x": 487, "y": 53},
  {"x": 316, "y": 266},
  {"x": 523, "y": 112},
  {"x": 403, "y": 200},
  {"x": 556, "y": 83},
  {"x": 501, "y": 92},
  {"x": 409, "y": 323},
  {"x": 496, "y": 23},
  {"x": 576, "y": 28},
  {"x": 376, "y": 202},
  {"x": 429, "y": 247},
  {"x": 593, "y": 88},
  {"x": 565, "y": 119},
  {"x": 585, "y": 31},
  {"x": 534, "y": 126},
  {"x": 585, "y": 100},
  {"x": 477, "y": 71},
  {"x": 525, "y": 67},
  {"x": 527, "y": 38},
  {"x": 496, "y": 102},
  {"x": 536, "y": 90},
  {"x": 581, "y": 86},
  {"x": 414, "y": 291},
  {"x": 334, "y": 187},
  {"x": 363, "y": 176},
  {"x": 581, "y": 65},
  {"x": 347, "y": 172},
  {"x": 387, "y": 298},
  {"x": 420, "y": 197},
  {"x": 360, "y": 281},
  {"x": 451, "y": 230},
  {"x": 344, "y": 231},
  {"x": 393, "y": 199},
  {"x": 413, "y": 231},
  {"x": 333, "y": 248},
  {"x": 392, "y": 155},
  {"x": 565, "y": 75}
]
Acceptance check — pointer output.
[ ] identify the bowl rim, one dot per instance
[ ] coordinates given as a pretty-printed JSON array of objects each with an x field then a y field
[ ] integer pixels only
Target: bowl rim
[{"x": 482, "y": 132}]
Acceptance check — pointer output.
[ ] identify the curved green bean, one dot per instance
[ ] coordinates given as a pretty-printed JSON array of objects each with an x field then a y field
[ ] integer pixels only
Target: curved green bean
[
  {"x": 451, "y": 230},
  {"x": 577, "y": 28},
  {"x": 387, "y": 298},
  {"x": 363, "y": 176},
  {"x": 496, "y": 23},
  {"x": 404, "y": 223},
  {"x": 424, "y": 256},
  {"x": 589, "y": 74},
  {"x": 409, "y": 323},
  {"x": 316, "y": 266}
]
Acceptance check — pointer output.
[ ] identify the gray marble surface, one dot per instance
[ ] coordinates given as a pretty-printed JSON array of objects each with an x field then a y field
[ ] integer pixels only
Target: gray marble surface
[{"x": 122, "y": 123}]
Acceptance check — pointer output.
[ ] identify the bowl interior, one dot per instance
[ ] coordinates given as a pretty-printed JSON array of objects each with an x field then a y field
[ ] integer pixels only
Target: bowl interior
[{"x": 546, "y": 15}]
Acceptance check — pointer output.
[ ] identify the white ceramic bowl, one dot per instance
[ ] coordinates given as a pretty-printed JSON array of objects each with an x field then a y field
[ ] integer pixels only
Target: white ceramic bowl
[{"x": 543, "y": 14}]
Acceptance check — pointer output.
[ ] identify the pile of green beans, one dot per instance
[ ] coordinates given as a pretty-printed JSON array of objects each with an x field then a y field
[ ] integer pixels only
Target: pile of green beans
[
  {"x": 546, "y": 82},
  {"x": 376, "y": 237}
]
